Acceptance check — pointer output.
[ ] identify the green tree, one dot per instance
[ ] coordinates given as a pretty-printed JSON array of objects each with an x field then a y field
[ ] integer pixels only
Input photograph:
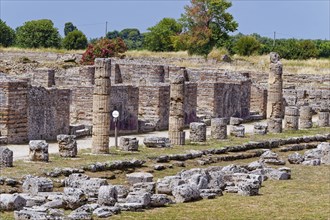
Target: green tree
[
  {"x": 75, "y": 40},
  {"x": 38, "y": 33},
  {"x": 112, "y": 34},
  {"x": 323, "y": 47},
  {"x": 132, "y": 37},
  {"x": 69, "y": 27},
  {"x": 160, "y": 37},
  {"x": 7, "y": 35},
  {"x": 207, "y": 24},
  {"x": 247, "y": 45}
]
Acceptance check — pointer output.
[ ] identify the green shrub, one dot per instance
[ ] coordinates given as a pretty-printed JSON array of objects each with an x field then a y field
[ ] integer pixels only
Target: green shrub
[
  {"x": 7, "y": 35},
  {"x": 160, "y": 36},
  {"x": 103, "y": 48},
  {"x": 38, "y": 33},
  {"x": 75, "y": 40},
  {"x": 247, "y": 45}
]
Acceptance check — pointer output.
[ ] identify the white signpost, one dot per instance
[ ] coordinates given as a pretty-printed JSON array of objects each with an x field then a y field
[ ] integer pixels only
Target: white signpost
[{"x": 115, "y": 115}]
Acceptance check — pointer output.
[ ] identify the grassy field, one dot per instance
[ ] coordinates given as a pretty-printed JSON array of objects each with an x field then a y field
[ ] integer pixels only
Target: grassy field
[
  {"x": 181, "y": 58},
  {"x": 305, "y": 196}
]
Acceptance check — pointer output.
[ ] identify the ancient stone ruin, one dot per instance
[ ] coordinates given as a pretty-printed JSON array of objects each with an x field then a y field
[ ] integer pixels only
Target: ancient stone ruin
[
  {"x": 176, "y": 117},
  {"x": 275, "y": 95},
  {"x": 101, "y": 106}
]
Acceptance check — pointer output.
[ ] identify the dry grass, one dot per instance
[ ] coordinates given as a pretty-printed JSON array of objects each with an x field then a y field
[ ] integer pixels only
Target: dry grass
[{"x": 39, "y": 50}]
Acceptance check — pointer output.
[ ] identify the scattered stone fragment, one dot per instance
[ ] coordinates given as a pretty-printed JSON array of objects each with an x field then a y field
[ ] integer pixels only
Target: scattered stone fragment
[
  {"x": 38, "y": 151},
  {"x": 74, "y": 198},
  {"x": 128, "y": 144},
  {"x": 67, "y": 145},
  {"x": 295, "y": 158},
  {"x": 139, "y": 177},
  {"x": 156, "y": 142},
  {"x": 160, "y": 200},
  {"x": 11, "y": 202},
  {"x": 197, "y": 132},
  {"x": 107, "y": 195},
  {"x": 6, "y": 157},
  {"x": 186, "y": 193},
  {"x": 33, "y": 185}
]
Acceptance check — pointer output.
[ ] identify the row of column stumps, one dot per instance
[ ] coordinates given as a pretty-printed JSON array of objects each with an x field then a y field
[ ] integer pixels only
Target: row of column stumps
[
  {"x": 275, "y": 95},
  {"x": 101, "y": 107},
  {"x": 176, "y": 116}
]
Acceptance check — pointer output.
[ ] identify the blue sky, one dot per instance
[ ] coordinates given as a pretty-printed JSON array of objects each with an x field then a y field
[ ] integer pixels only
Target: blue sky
[{"x": 307, "y": 19}]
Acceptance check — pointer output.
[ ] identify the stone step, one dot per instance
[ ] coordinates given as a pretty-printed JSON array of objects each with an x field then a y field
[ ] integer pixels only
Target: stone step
[{"x": 83, "y": 132}]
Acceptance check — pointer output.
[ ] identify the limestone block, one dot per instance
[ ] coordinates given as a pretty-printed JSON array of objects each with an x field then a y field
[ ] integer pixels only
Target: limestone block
[
  {"x": 260, "y": 129},
  {"x": 305, "y": 117},
  {"x": 67, "y": 145},
  {"x": 235, "y": 121},
  {"x": 38, "y": 151},
  {"x": 159, "y": 200},
  {"x": 156, "y": 142},
  {"x": 33, "y": 185},
  {"x": 6, "y": 157},
  {"x": 143, "y": 198},
  {"x": 237, "y": 131},
  {"x": 139, "y": 177},
  {"x": 107, "y": 195},
  {"x": 197, "y": 132},
  {"x": 11, "y": 202},
  {"x": 274, "y": 125},
  {"x": 186, "y": 193},
  {"x": 219, "y": 128},
  {"x": 323, "y": 120},
  {"x": 295, "y": 158},
  {"x": 74, "y": 198},
  {"x": 128, "y": 144}
]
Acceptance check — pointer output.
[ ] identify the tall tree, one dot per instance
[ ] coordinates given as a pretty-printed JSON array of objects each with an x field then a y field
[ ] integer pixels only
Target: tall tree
[
  {"x": 207, "y": 24},
  {"x": 69, "y": 27},
  {"x": 7, "y": 35},
  {"x": 38, "y": 33},
  {"x": 75, "y": 40},
  {"x": 160, "y": 37}
]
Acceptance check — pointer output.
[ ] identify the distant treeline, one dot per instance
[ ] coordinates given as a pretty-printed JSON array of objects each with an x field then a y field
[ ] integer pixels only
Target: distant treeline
[{"x": 167, "y": 35}]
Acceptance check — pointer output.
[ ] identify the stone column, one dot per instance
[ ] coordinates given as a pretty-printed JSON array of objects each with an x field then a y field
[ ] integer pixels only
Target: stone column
[
  {"x": 101, "y": 107},
  {"x": 291, "y": 118},
  {"x": 275, "y": 96},
  {"x": 38, "y": 150},
  {"x": 197, "y": 132},
  {"x": 323, "y": 120},
  {"x": 305, "y": 117},
  {"x": 6, "y": 157},
  {"x": 219, "y": 128},
  {"x": 67, "y": 145},
  {"x": 176, "y": 118}
]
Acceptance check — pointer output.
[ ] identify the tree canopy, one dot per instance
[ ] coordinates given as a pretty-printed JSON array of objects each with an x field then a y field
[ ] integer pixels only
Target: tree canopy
[
  {"x": 75, "y": 40},
  {"x": 161, "y": 36},
  {"x": 207, "y": 24},
  {"x": 7, "y": 35},
  {"x": 38, "y": 33},
  {"x": 69, "y": 27}
]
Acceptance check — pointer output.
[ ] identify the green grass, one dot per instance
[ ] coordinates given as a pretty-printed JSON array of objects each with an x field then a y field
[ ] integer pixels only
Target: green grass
[{"x": 306, "y": 196}]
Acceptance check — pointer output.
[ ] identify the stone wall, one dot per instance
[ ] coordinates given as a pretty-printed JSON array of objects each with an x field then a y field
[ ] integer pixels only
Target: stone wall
[
  {"x": 220, "y": 100},
  {"x": 137, "y": 74},
  {"x": 314, "y": 97},
  {"x": 154, "y": 104},
  {"x": 81, "y": 102},
  {"x": 13, "y": 109},
  {"x": 125, "y": 99},
  {"x": 48, "y": 113},
  {"x": 258, "y": 100}
]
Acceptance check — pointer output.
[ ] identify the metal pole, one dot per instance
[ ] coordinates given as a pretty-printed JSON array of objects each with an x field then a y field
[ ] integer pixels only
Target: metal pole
[
  {"x": 116, "y": 137},
  {"x": 274, "y": 39},
  {"x": 106, "y": 28}
]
